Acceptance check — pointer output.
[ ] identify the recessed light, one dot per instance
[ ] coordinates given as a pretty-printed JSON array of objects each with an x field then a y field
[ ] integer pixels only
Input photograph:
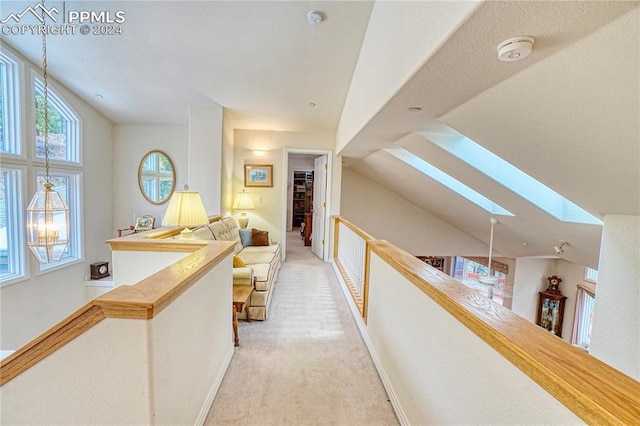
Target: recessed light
[
  {"x": 312, "y": 105},
  {"x": 414, "y": 109},
  {"x": 524, "y": 243},
  {"x": 98, "y": 96}
]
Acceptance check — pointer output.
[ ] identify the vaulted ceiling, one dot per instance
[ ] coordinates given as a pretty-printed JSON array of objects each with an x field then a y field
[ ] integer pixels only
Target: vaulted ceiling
[{"x": 568, "y": 115}]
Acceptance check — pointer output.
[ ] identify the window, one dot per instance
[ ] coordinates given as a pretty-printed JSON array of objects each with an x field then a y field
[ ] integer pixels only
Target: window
[
  {"x": 68, "y": 185},
  {"x": 513, "y": 178},
  {"x": 9, "y": 106},
  {"x": 467, "y": 272},
  {"x": 583, "y": 319},
  {"x": 591, "y": 275},
  {"x": 12, "y": 249},
  {"x": 448, "y": 181},
  {"x": 22, "y": 169},
  {"x": 63, "y": 127}
]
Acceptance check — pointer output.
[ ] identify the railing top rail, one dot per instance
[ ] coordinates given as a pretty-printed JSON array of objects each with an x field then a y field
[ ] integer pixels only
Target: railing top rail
[
  {"x": 354, "y": 228},
  {"x": 143, "y": 300},
  {"x": 593, "y": 390}
]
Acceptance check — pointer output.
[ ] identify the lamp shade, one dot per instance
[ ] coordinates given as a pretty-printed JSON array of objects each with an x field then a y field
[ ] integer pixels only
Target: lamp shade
[
  {"x": 47, "y": 225},
  {"x": 243, "y": 201},
  {"x": 185, "y": 209}
]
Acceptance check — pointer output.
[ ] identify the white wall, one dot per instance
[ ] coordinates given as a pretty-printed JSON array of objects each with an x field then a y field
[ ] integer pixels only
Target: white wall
[
  {"x": 131, "y": 143},
  {"x": 531, "y": 278},
  {"x": 31, "y": 306},
  {"x": 205, "y": 155},
  {"x": 124, "y": 371},
  {"x": 387, "y": 216},
  {"x": 269, "y": 202},
  {"x": 615, "y": 337},
  {"x": 483, "y": 388}
]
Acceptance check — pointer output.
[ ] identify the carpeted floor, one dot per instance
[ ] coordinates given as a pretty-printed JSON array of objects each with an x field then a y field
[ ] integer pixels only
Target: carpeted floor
[{"x": 306, "y": 364}]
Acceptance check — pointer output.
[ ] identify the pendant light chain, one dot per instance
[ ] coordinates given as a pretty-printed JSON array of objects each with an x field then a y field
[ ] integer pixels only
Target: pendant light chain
[{"x": 46, "y": 99}]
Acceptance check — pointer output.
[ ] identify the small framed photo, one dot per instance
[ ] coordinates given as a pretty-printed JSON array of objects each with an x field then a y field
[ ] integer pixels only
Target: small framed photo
[
  {"x": 260, "y": 175},
  {"x": 144, "y": 223}
]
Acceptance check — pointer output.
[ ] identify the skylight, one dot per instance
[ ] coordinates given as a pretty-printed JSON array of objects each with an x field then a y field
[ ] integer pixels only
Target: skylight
[
  {"x": 446, "y": 180},
  {"x": 513, "y": 178}
]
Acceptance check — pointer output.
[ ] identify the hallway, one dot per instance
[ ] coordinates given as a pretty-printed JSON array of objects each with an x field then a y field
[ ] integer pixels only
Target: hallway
[{"x": 306, "y": 364}]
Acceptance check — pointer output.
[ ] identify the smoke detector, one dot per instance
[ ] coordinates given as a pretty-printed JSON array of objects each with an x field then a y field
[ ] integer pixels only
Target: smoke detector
[
  {"x": 515, "y": 49},
  {"x": 314, "y": 17}
]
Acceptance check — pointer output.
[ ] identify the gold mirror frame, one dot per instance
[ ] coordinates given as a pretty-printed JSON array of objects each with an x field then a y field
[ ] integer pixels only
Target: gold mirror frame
[{"x": 153, "y": 181}]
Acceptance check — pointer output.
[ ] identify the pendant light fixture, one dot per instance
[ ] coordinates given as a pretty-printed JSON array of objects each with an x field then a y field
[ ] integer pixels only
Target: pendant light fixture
[
  {"x": 47, "y": 214},
  {"x": 488, "y": 279}
]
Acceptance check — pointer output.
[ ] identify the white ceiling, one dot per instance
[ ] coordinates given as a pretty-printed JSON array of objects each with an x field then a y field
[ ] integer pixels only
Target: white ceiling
[{"x": 567, "y": 115}]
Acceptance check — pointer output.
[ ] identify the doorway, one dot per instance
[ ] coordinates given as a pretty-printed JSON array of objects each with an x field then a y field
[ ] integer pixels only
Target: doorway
[{"x": 306, "y": 208}]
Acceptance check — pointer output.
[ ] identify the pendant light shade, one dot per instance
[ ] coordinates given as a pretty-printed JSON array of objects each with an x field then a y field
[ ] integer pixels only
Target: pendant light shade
[{"x": 47, "y": 225}]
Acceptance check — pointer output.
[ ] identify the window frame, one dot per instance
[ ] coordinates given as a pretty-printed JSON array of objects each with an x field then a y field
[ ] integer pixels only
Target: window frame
[
  {"x": 75, "y": 250},
  {"x": 15, "y": 227},
  {"x": 12, "y": 114},
  {"x": 74, "y": 126}
]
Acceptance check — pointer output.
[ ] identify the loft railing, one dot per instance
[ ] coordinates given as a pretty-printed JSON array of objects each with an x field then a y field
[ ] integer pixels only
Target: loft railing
[
  {"x": 351, "y": 259},
  {"x": 447, "y": 355},
  {"x": 137, "y": 347}
]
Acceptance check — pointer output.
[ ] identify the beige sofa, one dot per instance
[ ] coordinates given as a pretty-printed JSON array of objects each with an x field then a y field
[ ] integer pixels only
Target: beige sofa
[{"x": 263, "y": 264}]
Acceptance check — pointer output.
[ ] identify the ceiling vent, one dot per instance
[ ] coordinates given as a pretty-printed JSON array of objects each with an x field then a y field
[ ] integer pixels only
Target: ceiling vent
[{"x": 515, "y": 49}]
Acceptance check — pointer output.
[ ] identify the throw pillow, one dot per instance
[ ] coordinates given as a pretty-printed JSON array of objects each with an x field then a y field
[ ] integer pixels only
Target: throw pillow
[
  {"x": 245, "y": 237},
  {"x": 238, "y": 263},
  {"x": 259, "y": 238}
]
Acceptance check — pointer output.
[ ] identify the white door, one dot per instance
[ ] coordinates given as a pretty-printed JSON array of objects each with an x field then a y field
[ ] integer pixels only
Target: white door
[{"x": 319, "y": 205}]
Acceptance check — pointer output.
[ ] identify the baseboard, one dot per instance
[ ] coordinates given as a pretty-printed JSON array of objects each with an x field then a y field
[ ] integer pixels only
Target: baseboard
[
  {"x": 395, "y": 403},
  {"x": 204, "y": 412}
]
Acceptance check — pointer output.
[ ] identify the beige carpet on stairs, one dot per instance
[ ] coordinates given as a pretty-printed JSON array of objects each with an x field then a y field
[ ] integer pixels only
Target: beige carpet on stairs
[{"x": 307, "y": 363}]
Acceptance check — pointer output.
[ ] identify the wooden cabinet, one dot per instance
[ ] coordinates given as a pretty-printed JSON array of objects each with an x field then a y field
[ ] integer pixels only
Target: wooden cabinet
[
  {"x": 551, "y": 307},
  {"x": 302, "y": 195}
]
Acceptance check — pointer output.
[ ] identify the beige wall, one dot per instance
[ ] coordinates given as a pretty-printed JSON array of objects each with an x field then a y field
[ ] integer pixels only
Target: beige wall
[
  {"x": 270, "y": 202},
  {"x": 387, "y": 216},
  {"x": 130, "y": 144},
  {"x": 616, "y": 324}
]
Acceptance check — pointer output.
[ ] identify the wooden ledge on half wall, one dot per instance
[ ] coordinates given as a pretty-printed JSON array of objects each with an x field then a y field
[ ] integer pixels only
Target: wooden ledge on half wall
[{"x": 159, "y": 239}]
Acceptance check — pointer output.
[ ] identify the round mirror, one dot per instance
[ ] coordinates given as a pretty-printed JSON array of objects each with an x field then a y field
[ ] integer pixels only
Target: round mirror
[{"x": 156, "y": 177}]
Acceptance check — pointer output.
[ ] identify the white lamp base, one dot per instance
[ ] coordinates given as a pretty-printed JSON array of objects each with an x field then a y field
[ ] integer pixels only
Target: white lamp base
[
  {"x": 243, "y": 221},
  {"x": 186, "y": 234}
]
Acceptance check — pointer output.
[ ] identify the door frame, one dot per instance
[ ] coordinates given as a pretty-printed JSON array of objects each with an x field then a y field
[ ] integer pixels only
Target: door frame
[{"x": 327, "y": 215}]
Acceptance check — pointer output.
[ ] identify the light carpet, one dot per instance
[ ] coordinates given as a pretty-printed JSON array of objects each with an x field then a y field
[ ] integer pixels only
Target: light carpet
[{"x": 307, "y": 363}]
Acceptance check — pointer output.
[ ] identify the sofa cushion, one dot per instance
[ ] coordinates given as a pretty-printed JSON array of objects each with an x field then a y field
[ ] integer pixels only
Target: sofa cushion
[
  {"x": 273, "y": 248},
  {"x": 245, "y": 237},
  {"x": 259, "y": 238},
  {"x": 203, "y": 233},
  {"x": 226, "y": 230},
  {"x": 263, "y": 273}
]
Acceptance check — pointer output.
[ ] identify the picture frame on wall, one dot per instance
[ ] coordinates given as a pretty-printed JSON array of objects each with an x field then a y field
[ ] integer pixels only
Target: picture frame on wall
[{"x": 258, "y": 175}]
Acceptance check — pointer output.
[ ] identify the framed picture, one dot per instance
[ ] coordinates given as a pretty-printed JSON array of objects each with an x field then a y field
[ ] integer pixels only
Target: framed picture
[
  {"x": 144, "y": 223},
  {"x": 258, "y": 175}
]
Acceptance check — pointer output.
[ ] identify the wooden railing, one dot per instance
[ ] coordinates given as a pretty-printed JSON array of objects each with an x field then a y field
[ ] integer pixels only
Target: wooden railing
[
  {"x": 589, "y": 388},
  {"x": 351, "y": 257}
]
